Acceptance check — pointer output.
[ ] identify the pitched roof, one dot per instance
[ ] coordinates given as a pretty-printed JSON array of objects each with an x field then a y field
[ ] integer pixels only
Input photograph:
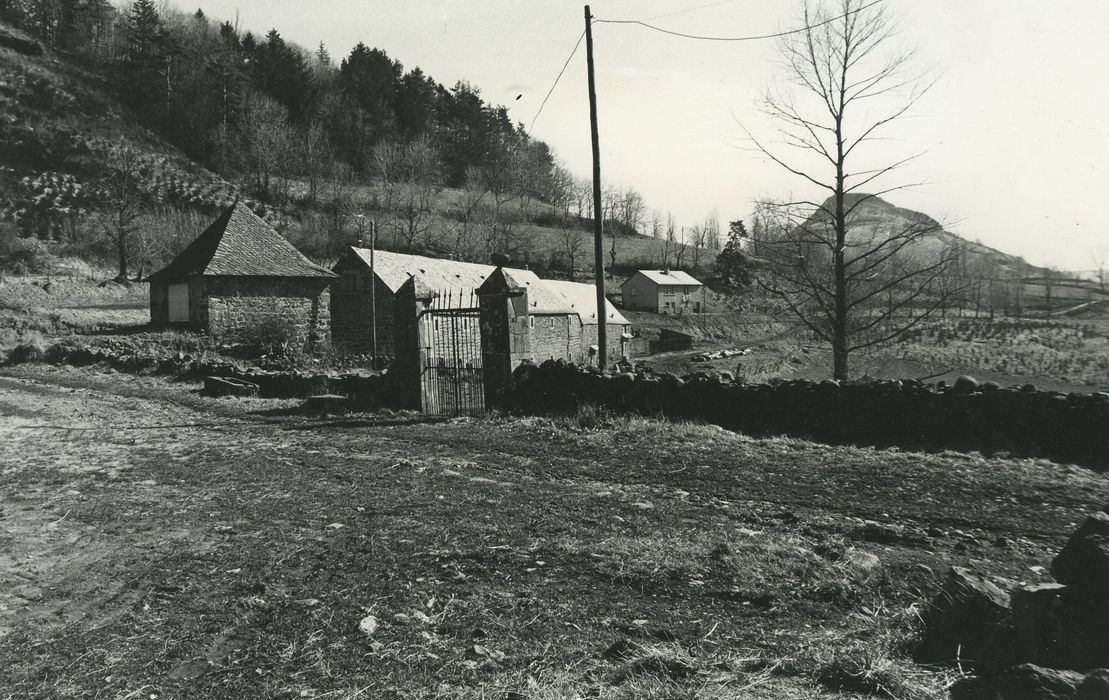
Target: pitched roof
[
  {"x": 240, "y": 244},
  {"x": 455, "y": 279},
  {"x": 583, "y": 300},
  {"x": 542, "y": 298},
  {"x": 668, "y": 278},
  {"x": 436, "y": 274}
]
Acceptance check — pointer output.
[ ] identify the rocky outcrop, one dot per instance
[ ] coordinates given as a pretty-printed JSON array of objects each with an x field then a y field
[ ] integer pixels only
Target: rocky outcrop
[{"x": 1045, "y": 641}]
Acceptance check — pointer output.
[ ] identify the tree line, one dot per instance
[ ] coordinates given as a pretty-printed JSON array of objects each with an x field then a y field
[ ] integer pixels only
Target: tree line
[
  {"x": 262, "y": 107},
  {"x": 298, "y": 127}
]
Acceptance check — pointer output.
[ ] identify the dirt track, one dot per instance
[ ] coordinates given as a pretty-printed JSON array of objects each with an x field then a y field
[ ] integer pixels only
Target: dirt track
[
  {"x": 67, "y": 454},
  {"x": 154, "y": 541}
]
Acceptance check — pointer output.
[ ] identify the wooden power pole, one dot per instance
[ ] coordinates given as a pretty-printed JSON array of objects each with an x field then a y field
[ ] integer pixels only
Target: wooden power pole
[
  {"x": 373, "y": 293},
  {"x": 598, "y": 222}
]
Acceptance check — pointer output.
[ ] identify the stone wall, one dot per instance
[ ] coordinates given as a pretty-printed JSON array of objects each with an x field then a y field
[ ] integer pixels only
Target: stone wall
[
  {"x": 617, "y": 345},
  {"x": 551, "y": 337},
  {"x": 907, "y": 414},
  {"x": 159, "y": 304},
  {"x": 238, "y": 308},
  {"x": 352, "y": 317}
]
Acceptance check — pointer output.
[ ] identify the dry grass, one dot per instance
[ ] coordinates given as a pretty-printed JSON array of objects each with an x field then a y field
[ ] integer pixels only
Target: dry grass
[{"x": 224, "y": 549}]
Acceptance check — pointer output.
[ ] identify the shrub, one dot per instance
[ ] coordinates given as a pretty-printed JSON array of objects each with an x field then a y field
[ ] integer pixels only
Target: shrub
[
  {"x": 271, "y": 335},
  {"x": 32, "y": 348}
]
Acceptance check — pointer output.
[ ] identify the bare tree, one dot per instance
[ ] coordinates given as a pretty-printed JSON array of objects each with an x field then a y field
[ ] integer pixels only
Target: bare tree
[
  {"x": 670, "y": 238},
  {"x": 572, "y": 239},
  {"x": 269, "y": 142},
  {"x": 122, "y": 205},
  {"x": 318, "y": 156},
  {"x": 711, "y": 230},
  {"x": 844, "y": 88},
  {"x": 415, "y": 198},
  {"x": 1100, "y": 256},
  {"x": 697, "y": 241}
]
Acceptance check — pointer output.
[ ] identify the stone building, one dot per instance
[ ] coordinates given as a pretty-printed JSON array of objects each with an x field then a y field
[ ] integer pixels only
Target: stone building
[
  {"x": 582, "y": 299},
  {"x": 561, "y": 315},
  {"x": 240, "y": 278},
  {"x": 663, "y": 292},
  {"x": 353, "y": 313}
]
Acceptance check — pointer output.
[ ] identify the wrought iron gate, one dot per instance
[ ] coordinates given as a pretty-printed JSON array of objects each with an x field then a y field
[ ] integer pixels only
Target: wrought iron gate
[{"x": 451, "y": 380}]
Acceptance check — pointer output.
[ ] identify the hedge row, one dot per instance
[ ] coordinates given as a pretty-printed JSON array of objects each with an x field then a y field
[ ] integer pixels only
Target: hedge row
[{"x": 966, "y": 416}]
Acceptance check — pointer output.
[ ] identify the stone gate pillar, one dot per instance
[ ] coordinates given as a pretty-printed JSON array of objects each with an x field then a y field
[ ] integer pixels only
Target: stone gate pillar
[
  {"x": 405, "y": 373},
  {"x": 505, "y": 335}
]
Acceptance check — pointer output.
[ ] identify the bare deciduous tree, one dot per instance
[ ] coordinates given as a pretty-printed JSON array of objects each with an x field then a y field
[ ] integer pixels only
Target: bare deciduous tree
[
  {"x": 121, "y": 207},
  {"x": 415, "y": 199},
  {"x": 844, "y": 87}
]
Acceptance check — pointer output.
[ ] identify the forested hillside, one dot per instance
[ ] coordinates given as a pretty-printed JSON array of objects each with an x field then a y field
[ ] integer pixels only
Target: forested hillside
[{"x": 123, "y": 129}]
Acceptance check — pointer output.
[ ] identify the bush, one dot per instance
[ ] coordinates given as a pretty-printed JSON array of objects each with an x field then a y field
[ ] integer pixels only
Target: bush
[
  {"x": 19, "y": 257},
  {"x": 271, "y": 335},
  {"x": 31, "y": 349}
]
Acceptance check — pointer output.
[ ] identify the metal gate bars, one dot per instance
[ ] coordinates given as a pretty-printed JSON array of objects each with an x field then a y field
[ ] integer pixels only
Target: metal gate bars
[{"x": 451, "y": 380}]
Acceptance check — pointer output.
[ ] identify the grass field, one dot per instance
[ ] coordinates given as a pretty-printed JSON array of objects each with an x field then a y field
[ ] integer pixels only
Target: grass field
[{"x": 159, "y": 544}]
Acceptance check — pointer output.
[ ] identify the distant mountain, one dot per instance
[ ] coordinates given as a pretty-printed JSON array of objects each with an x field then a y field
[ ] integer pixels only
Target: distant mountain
[{"x": 877, "y": 216}]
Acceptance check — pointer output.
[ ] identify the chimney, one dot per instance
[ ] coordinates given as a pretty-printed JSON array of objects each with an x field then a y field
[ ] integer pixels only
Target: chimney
[{"x": 666, "y": 271}]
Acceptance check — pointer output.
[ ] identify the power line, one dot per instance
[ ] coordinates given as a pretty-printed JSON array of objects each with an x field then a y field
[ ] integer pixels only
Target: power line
[
  {"x": 555, "y": 84},
  {"x": 737, "y": 38},
  {"x": 692, "y": 9}
]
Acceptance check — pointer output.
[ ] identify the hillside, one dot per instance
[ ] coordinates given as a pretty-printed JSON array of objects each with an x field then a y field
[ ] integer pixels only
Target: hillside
[{"x": 65, "y": 137}]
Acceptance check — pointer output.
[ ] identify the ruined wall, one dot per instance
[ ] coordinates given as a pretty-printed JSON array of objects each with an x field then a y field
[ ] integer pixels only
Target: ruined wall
[{"x": 239, "y": 308}]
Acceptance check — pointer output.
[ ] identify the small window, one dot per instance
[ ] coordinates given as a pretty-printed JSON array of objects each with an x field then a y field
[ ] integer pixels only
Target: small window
[
  {"x": 550, "y": 322},
  {"x": 531, "y": 322}
]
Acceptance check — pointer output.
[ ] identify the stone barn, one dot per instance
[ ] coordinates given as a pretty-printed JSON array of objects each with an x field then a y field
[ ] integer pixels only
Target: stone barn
[
  {"x": 561, "y": 315},
  {"x": 582, "y": 299},
  {"x": 240, "y": 278},
  {"x": 354, "y": 316}
]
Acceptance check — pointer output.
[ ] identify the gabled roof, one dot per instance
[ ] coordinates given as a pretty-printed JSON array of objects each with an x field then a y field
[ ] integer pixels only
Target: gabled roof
[
  {"x": 436, "y": 274},
  {"x": 239, "y": 244},
  {"x": 583, "y": 300},
  {"x": 452, "y": 279},
  {"x": 542, "y": 298},
  {"x": 666, "y": 278}
]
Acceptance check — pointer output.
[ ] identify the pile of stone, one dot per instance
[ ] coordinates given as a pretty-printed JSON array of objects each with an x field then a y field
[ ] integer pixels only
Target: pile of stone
[{"x": 1033, "y": 642}]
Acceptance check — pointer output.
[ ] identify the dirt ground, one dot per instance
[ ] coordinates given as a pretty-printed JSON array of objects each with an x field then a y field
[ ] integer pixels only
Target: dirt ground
[{"x": 154, "y": 543}]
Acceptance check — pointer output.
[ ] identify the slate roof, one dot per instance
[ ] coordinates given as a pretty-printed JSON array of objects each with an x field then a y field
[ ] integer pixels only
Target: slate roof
[
  {"x": 669, "y": 278},
  {"x": 239, "y": 244},
  {"x": 583, "y": 300},
  {"x": 437, "y": 274},
  {"x": 458, "y": 279},
  {"x": 542, "y": 298}
]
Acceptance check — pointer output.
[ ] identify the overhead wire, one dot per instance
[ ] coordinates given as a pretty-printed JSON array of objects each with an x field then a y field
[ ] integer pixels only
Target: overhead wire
[
  {"x": 758, "y": 37},
  {"x": 569, "y": 58},
  {"x": 688, "y": 10}
]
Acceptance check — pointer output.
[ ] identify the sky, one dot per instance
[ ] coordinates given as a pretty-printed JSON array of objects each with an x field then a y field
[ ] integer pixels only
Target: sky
[{"x": 1014, "y": 134}]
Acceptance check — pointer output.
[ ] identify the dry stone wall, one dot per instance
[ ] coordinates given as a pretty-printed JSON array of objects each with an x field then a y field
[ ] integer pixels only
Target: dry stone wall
[{"x": 908, "y": 414}]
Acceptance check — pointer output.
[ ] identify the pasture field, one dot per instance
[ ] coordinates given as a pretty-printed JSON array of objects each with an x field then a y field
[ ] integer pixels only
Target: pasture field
[{"x": 160, "y": 544}]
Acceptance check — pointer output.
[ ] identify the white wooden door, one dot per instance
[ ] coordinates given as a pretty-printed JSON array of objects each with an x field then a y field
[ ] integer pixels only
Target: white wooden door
[{"x": 179, "y": 303}]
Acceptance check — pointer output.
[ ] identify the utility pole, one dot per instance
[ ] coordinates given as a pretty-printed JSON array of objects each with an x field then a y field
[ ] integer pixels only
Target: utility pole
[
  {"x": 598, "y": 222},
  {"x": 373, "y": 293}
]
